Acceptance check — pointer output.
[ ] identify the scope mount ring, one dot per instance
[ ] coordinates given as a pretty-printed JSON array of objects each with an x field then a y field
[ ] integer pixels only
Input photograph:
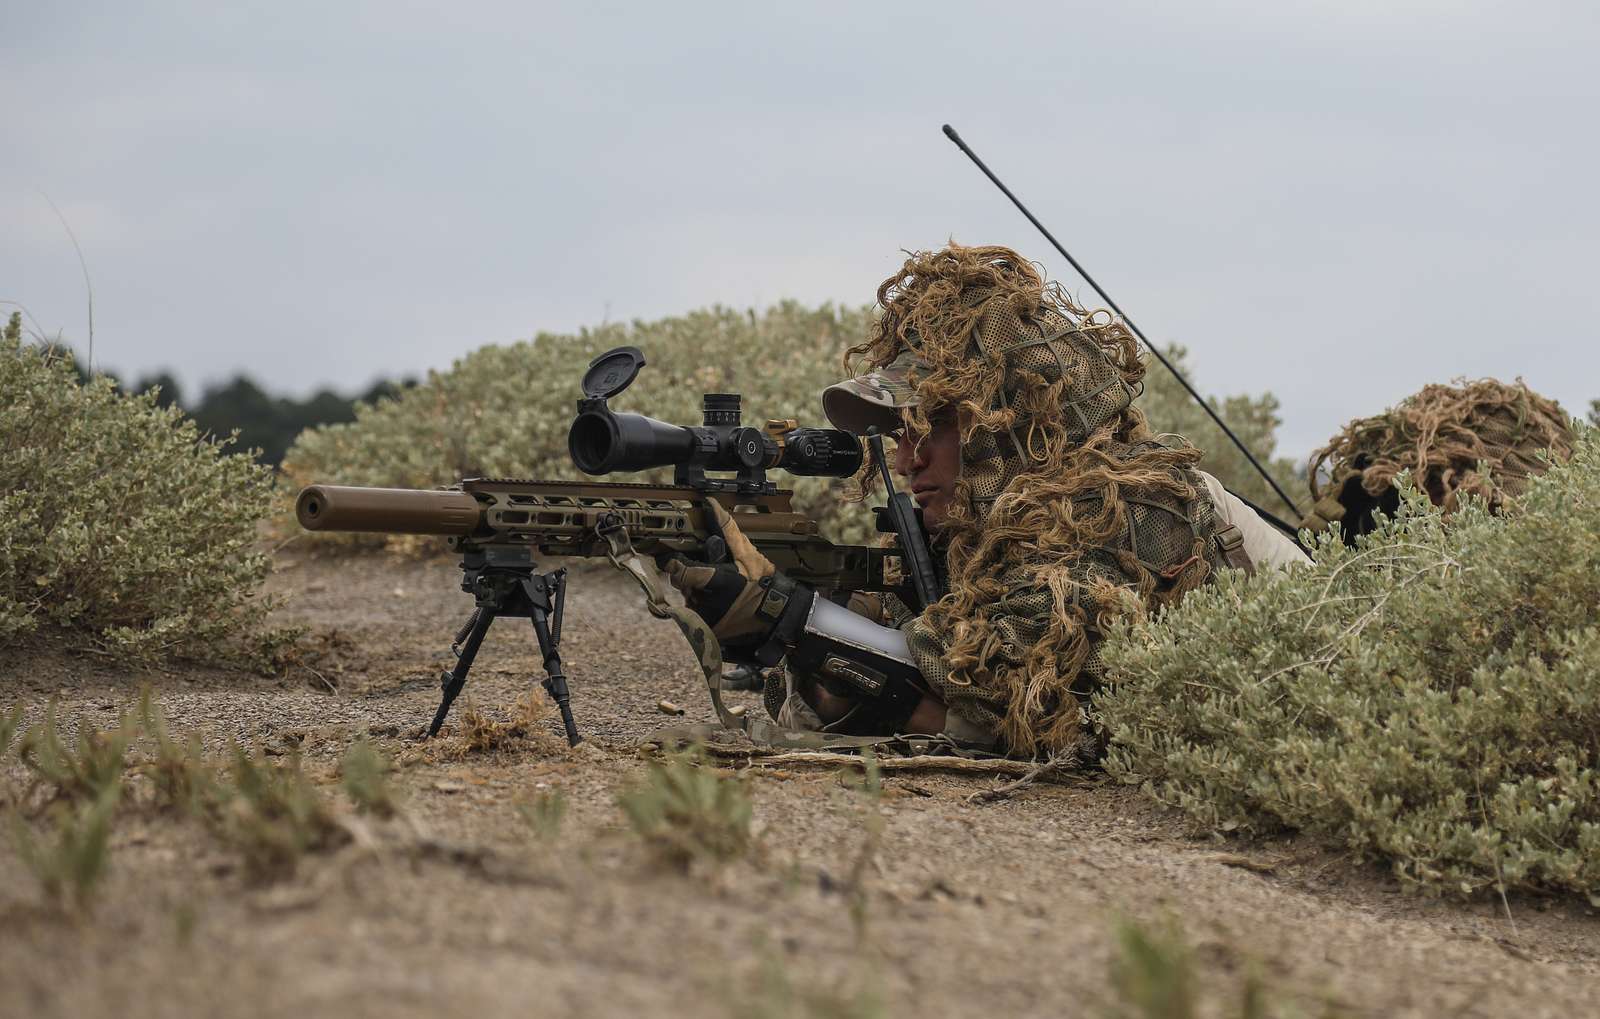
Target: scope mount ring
[{"x": 612, "y": 372}]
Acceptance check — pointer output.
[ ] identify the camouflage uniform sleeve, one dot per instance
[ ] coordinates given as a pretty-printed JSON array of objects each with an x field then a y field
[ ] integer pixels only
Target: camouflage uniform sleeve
[{"x": 1020, "y": 621}]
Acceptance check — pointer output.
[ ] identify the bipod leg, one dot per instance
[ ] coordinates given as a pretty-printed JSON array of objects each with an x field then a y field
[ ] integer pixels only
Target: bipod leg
[
  {"x": 456, "y": 678},
  {"x": 544, "y": 607}
]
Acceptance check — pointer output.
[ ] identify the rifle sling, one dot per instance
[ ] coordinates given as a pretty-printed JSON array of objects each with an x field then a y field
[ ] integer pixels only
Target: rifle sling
[{"x": 621, "y": 553}]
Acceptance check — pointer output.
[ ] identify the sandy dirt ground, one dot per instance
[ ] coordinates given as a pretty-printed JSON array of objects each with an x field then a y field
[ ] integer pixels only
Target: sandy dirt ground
[{"x": 954, "y": 908}]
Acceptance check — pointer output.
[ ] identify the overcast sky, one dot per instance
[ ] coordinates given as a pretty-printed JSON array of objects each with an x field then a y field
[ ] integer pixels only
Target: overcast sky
[{"x": 1338, "y": 202}]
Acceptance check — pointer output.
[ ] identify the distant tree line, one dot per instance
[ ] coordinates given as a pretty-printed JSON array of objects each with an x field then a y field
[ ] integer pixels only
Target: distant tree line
[{"x": 266, "y": 422}]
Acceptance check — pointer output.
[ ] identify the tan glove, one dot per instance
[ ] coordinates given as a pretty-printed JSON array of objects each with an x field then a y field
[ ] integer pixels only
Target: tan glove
[{"x": 727, "y": 595}]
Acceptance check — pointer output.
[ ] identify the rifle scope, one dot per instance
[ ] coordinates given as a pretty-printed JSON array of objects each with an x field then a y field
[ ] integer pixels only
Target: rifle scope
[{"x": 602, "y": 441}]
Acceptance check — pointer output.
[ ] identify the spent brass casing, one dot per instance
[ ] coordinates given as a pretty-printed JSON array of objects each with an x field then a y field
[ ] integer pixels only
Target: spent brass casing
[{"x": 387, "y": 510}]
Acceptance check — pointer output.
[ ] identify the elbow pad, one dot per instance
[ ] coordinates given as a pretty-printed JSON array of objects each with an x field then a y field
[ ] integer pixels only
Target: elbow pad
[{"x": 843, "y": 649}]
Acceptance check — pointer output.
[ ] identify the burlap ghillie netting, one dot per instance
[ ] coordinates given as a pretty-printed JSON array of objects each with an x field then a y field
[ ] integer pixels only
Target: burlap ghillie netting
[
  {"x": 1067, "y": 511},
  {"x": 1481, "y": 438}
]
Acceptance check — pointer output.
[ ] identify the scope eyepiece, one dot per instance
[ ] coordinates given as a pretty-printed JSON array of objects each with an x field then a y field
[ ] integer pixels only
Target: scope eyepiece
[{"x": 820, "y": 453}]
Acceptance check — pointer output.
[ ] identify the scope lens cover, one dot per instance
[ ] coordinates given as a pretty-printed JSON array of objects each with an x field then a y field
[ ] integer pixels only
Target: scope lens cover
[{"x": 612, "y": 372}]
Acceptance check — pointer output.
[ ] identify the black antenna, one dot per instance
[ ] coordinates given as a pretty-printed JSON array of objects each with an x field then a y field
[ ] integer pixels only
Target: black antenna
[{"x": 950, "y": 133}]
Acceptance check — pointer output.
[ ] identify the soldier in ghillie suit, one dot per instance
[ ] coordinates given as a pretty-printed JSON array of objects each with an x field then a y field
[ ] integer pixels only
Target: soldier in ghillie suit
[
  {"x": 1484, "y": 439},
  {"x": 1051, "y": 507}
]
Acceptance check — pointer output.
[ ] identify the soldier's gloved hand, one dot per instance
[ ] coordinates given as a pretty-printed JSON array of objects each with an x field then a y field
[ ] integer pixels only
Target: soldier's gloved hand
[{"x": 730, "y": 597}]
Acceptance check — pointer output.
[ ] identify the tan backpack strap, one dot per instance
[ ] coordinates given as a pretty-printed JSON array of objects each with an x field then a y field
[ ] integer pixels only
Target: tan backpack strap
[
  {"x": 1230, "y": 542},
  {"x": 620, "y": 550}
]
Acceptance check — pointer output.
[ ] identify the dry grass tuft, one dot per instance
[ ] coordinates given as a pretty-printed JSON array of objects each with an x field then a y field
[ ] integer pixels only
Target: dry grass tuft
[
  {"x": 685, "y": 811},
  {"x": 477, "y": 733}
]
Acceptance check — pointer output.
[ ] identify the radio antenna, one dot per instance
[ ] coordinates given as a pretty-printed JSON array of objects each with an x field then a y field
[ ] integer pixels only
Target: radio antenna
[{"x": 950, "y": 133}]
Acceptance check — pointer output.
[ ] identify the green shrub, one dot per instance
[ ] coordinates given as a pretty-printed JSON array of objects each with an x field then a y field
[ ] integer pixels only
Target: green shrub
[
  {"x": 119, "y": 523},
  {"x": 1430, "y": 697},
  {"x": 505, "y": 410}
]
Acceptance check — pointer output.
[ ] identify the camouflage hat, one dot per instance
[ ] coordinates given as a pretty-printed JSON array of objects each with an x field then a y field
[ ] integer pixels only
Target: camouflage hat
[{"x": 877, "y": 397}]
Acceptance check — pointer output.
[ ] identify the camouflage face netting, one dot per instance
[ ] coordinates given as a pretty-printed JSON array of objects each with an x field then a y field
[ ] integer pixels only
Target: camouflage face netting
[
  {"x": 1066, "y": 511},
  {"x": 1478, "y": 438}
]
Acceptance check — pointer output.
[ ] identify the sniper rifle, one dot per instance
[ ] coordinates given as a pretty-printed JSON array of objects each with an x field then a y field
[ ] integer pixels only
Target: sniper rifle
[{"x": 502, "y": 527}]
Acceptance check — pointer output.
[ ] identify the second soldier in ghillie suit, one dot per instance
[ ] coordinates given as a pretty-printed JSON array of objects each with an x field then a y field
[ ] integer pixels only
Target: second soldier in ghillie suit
[
  {"x": 1483, "y": 439},
  {"x": 1052, "y": 509}
]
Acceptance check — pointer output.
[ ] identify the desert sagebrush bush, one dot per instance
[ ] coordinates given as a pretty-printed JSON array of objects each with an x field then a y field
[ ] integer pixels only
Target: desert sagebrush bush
[
  {"x": 685, "y": 810},
  {"x": 504, "y": 410},
  {"x": 119, "y": 522},
  {"x": 1430, "y": 696}
]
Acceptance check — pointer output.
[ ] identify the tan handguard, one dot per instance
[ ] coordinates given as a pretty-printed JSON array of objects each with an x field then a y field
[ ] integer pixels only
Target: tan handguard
[{"x": 387, "y": 510}]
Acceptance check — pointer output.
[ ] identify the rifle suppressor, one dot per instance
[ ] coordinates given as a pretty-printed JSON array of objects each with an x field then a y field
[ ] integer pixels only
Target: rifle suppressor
[{"x": 387, "y": 510}]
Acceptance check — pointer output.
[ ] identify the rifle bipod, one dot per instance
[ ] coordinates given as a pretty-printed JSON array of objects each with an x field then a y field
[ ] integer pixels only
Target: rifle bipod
[{"x": 515, "y": 592}]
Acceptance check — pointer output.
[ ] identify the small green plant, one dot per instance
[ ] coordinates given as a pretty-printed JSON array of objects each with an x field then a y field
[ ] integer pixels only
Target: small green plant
[
  {"x": 870, "y": 784},
  {"x": 1153, "y": 973},
  {"x": 543, "y": 814},
  {"x": 10, "y": 722},
  {"x": 80, "y": 773},
  {"x": 181, "y": 775},
  {"x": 184, "y": 918},
  {"x": 778, "y": 995},
  {"x": 686, "y": 811},
  {"x": 364, "y": 773},
  {"x": 71, "y": 858},
  {"x": 272, "y": 814}
]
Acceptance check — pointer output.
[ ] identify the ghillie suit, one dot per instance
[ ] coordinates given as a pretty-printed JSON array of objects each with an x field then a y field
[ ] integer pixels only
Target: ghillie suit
[
  {"x": 1480, "y": 438},
  {"x": 1067, "y": 512}
]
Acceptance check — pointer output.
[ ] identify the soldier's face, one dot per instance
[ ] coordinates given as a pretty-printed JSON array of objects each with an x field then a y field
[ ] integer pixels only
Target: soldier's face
[{"x": 929, "y": 463}]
